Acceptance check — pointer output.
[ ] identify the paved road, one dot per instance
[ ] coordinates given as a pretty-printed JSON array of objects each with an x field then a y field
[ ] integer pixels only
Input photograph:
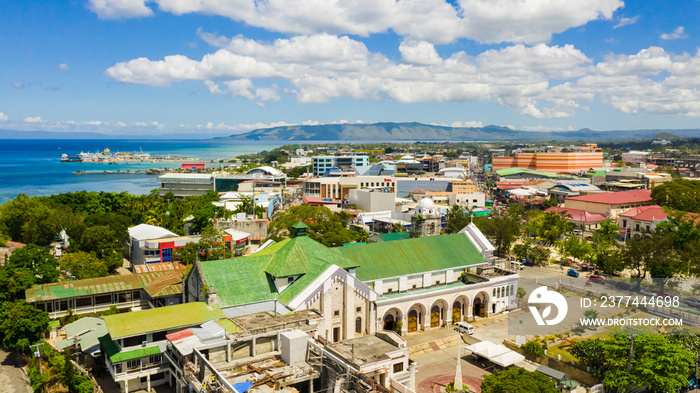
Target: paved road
[{"x": 12, "y": 378}]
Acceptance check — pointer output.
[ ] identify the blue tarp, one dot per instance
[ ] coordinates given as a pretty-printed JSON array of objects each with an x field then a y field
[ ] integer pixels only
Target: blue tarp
[{"x": 243, "y": 386}]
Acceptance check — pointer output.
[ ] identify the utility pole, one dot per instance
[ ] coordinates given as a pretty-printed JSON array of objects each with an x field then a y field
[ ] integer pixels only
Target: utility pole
[{"x": 37, "y": 354}]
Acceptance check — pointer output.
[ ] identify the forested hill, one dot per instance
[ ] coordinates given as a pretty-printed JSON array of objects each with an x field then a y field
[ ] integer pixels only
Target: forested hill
[{"x": 426, "y": 132}]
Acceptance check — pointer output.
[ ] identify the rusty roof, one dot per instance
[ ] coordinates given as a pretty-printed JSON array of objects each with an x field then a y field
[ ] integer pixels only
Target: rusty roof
[{"x": 94, "y": 286}]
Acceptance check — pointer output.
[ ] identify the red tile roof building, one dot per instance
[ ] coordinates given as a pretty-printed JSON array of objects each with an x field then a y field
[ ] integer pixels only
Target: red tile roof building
[
  {"x": 610, "y": 204},
  {"x": 583, "y": 219},
  {"x": 644, "y": 219}
]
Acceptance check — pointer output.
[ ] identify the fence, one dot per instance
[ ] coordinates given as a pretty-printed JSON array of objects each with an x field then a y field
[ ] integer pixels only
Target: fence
[{"x": 574, "y": 371}]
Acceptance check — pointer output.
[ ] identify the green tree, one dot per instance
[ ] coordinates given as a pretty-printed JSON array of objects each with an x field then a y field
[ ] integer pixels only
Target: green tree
[
  {"x": 550, "y": 225},
  {"x": 550, "y": 202},
  {"x": 21, "y": 325},
  {"x": 517, "y": 380},
  {"x": 14, "y": 281},
  {"x": 187, "y": 254},
  {"x": 502, "y": 230},
  {"x": 325, "y": 226},
  {"x": 210, "y": 244},
  {"x": 82, "y": 265},
  {"x": 113, "y": 310},
  {"x": 457, "y": 219},
  {"x": 678, "y": 195},
  {"x": 100, "y": 239},
  {"x": 656, "y": 362},
  {"x": 579, "y": 249},
  {"x": 591, "y": 353},
  {"x": 37, "y": 259},
  {"x": 604, "y": 237}
]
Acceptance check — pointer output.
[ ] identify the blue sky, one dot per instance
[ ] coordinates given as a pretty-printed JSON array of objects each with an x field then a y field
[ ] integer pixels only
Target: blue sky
[{"x": 211, "y": 66}]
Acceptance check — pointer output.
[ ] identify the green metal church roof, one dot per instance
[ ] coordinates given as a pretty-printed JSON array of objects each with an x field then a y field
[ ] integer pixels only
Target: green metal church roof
[
  {"x": 412, "y": 256},
  {"x": 250, "y": 279}
]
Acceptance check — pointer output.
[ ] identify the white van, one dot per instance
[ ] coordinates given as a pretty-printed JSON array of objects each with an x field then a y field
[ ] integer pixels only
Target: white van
[{"x": 464, "y": 328}]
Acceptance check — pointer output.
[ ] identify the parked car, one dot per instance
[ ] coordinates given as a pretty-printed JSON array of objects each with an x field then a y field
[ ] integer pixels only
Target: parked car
[
  {"x": 624, "y": 286},
  {"x": 647, "y": 292},
  {"x": 572, "y": 273},
  {"x": 597, "y": 279}
]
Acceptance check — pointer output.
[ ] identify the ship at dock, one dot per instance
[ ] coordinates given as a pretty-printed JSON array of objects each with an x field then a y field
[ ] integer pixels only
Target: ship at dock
[{"x": 106, "y": 156}]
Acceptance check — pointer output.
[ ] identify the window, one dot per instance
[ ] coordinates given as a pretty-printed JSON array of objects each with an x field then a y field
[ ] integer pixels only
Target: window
[
  {"x": 160, "y": 336},
  {"x": 133, "y": 363},
  {"x": 437, "y": 282},
  {"x": 389, "y": 290},
  {"x": 358, "y": 309},
  {"x": 494, "y": 292},
  {"x": 167, "y": 255},
  {"x": 358, "y": 325},
  {"x": 414, "y": 286},
  {"x": 336, "y": 313},
  {"x": 511, "y": 291},
  {"x": 83, "y": 302},
  {"x": 155, "y": 359},
  {"x": 398, "y": 367}
]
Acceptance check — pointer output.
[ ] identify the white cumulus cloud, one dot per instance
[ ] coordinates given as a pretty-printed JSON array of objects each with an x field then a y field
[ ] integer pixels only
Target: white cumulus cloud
[
  {"x": 119, "y": 9},
  {"x": 33, "y": 119},
  {"x": 419, "y": 52},
  {"x": 63, "y": 67},
  {"x": 626, "y": 21},
  {"x": 3, "y": 117},
  {"x": 678, "y": 33},
  {"x": 435, "y": 21}
]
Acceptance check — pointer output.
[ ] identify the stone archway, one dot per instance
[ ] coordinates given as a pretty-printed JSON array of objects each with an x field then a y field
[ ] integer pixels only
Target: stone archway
[
  {"x": 417, "y": 316},
  {"x": 481, "y": 303},
  {"x": 438, "y": 313},
  {"x": 460, "y": 308},
  {"x": 391, "y": 319},
  {"x": 389, "y": 322}
]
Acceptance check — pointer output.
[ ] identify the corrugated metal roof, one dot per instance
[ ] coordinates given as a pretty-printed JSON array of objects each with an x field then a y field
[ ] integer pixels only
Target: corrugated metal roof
[
  {"x": 162, "y": 318},
  {"x": 412, "y": 256},
  {"x": 249, "y": 279},
  {"x": 93, "y": 286}
]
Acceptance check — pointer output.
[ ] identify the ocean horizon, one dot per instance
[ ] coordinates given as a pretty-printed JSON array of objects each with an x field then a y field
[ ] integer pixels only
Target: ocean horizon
[{"x": 33, "y": 167}]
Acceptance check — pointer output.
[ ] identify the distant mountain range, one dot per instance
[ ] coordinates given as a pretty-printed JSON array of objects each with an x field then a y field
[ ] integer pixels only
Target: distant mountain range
[{"x": 426, "y": 132}]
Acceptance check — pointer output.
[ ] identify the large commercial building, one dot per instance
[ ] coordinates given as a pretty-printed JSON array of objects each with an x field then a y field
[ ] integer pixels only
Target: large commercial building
[
  {"x": 186, "y": 184},
  {"x": 339, "y": 187},
  {"x": 321, "y": 164},
  {"x": 557, "y": 160}
]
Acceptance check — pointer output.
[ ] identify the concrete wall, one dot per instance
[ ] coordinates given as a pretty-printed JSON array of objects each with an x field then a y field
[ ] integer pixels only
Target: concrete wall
[
  {"x": 372, "y": 201},
  {"x": 477, "y": 199}
]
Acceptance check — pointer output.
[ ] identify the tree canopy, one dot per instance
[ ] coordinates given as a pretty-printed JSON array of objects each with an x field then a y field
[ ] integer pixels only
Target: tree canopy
[
  {"x": 325, "y": 227},
  {"x": 518, "y": 380},
  {"x": 657, "y": 362},
  {"x": 501, "y": 229},
  {"x": 678, "y": 195},
  {"x": 21, "y": 325}
]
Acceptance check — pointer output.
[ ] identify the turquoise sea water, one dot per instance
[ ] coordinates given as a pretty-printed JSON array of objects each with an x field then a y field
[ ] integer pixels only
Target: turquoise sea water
[{"x": 32, "y": 167}]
